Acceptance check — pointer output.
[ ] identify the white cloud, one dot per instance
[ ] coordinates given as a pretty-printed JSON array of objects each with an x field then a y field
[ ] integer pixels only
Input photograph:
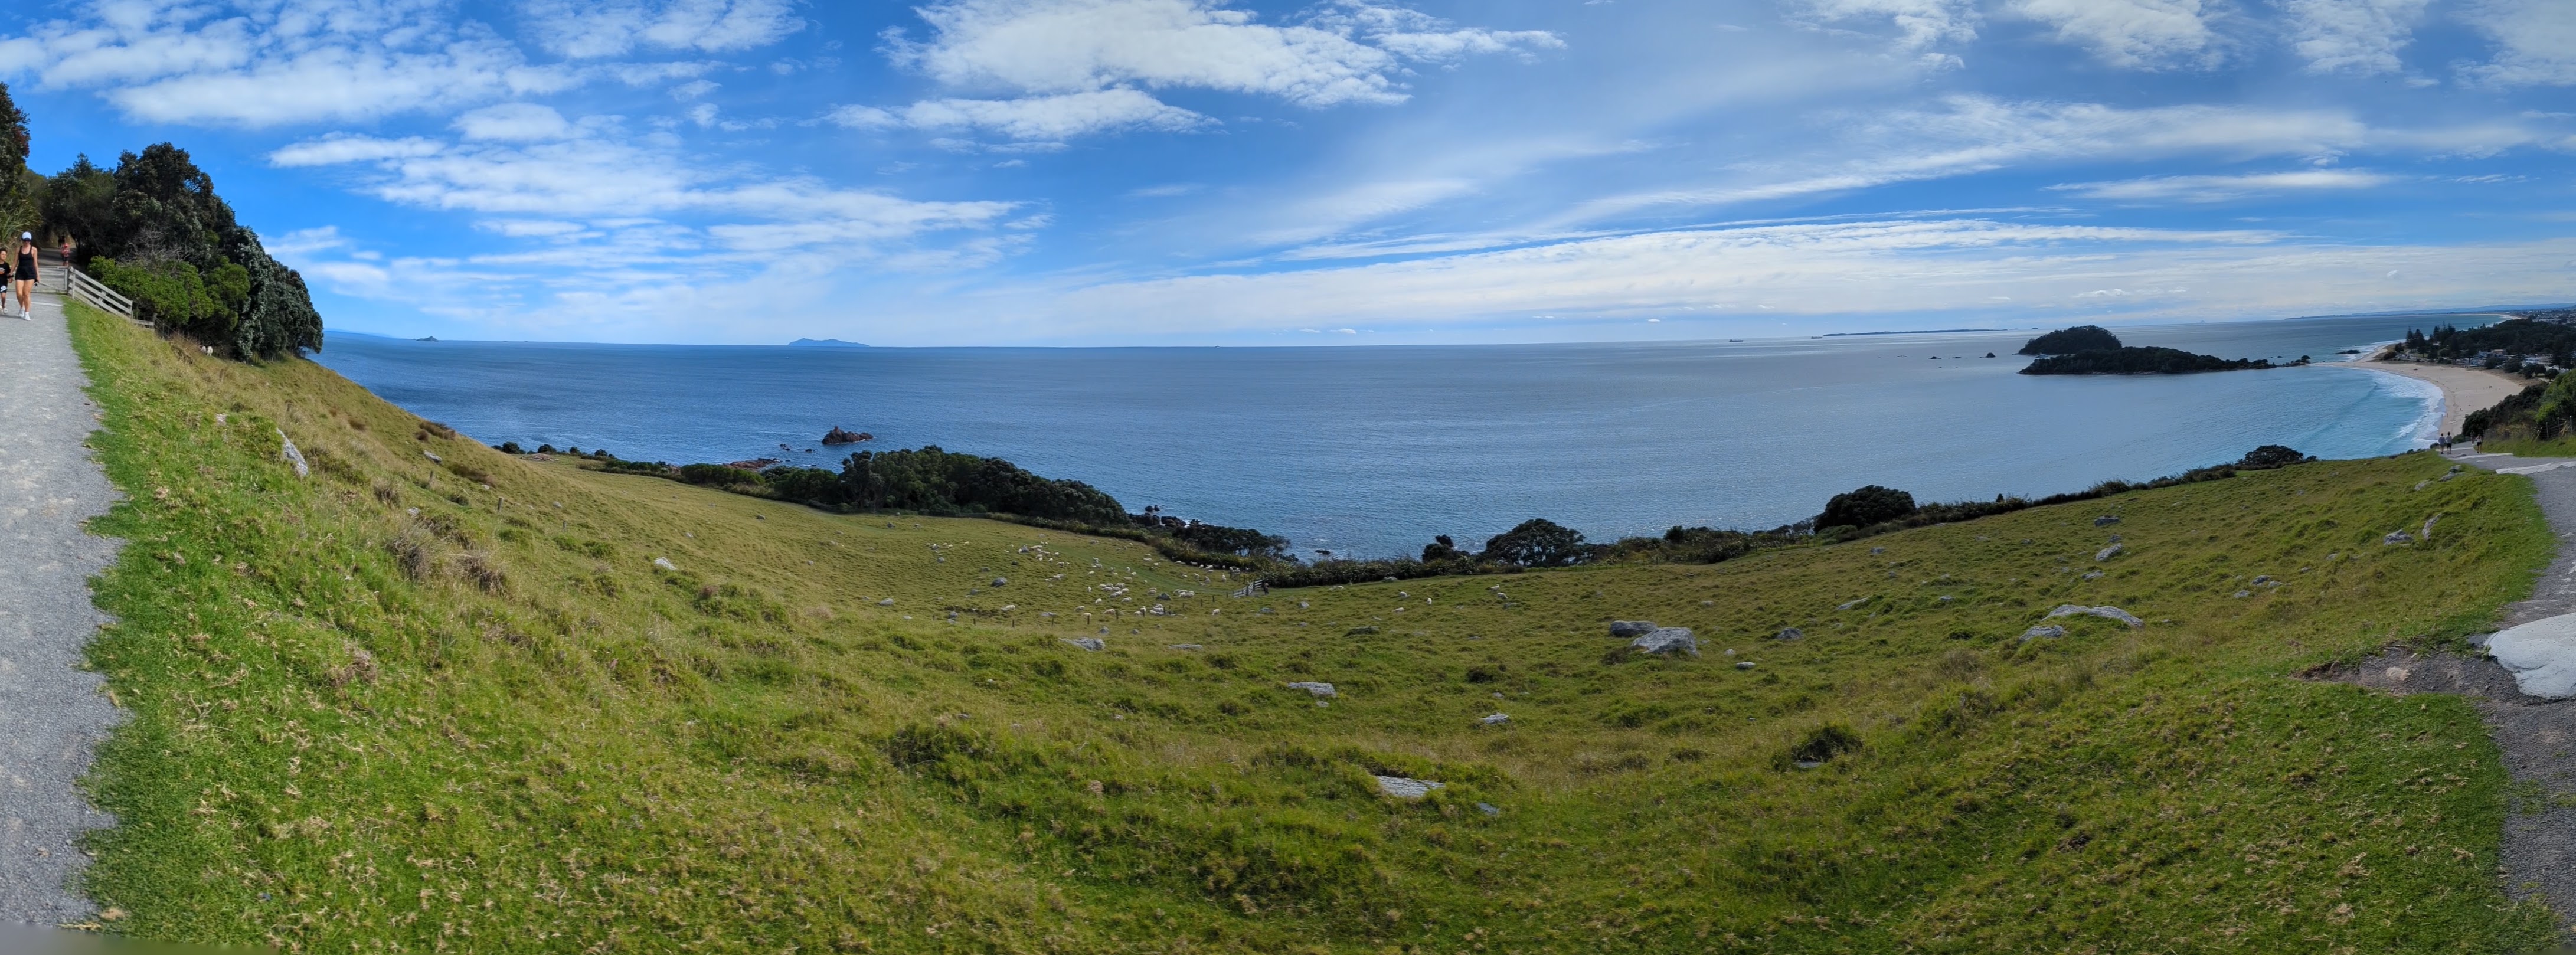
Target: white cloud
[
  {"x": 1920, "y": 25},
  {"x": 513, "y": 122},
  {"x": 1909, "y": 267},
  {"x": 2535, "y": 41},
  {"x": 340, "y": 148},
  {"x": 1971, "y": 134},
  {"x": 2352, "y": 36},
  {"x": 1350, "y": 54},
  {"x": 2224, "y": 188},
  {"x": 251, "y": 63},
  {"x": 1033, "y": 118},
  {"x": 587, "y": 29},
  {"x": 2134, "y": 34}
]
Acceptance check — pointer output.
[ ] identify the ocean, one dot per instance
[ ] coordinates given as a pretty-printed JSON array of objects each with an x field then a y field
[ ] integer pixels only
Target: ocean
[{"x": 1373, "y": 450}]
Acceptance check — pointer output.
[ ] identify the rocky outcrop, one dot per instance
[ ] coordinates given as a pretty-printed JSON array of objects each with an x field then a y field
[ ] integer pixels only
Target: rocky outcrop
[
  {"x": 841, "y": 435},
  {"x": 1403, "y": 788}
]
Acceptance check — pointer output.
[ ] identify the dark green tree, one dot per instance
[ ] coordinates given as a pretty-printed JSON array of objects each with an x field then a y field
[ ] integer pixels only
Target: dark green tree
[
  {"x": 19, "y": 188},
  {"x": 2068, "y": 341},
  {"x": 1537, "y": 542},
  {"x": 1871, "y": 504},
  {"x": 179, "y": 251}
]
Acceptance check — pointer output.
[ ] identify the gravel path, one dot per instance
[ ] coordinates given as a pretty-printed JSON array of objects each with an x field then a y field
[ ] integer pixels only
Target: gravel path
[
  {"x": 2538, "y": 736},
  {"x": 51, "y": 712}
]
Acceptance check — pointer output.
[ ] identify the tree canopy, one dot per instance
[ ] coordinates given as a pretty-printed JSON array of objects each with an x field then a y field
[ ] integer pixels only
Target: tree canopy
[
  {"x": 2067, "y": 341},
  {"x": 1867, "y": 505},
  {"x": 1537, "y": 542},
  {"x": 154, "y": 230}
]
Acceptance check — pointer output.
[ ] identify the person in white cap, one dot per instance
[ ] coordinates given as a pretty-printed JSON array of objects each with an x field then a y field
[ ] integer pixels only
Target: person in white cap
[{"x": 25, "y": 275}]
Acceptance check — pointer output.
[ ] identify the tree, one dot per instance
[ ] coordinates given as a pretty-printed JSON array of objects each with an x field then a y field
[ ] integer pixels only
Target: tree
[
  {"x": 19, "y": 188},
  {"x": 2068, "y": 341},
  {"x": 1871, "y": 504},
  {"x": 1537, "y": 542},
  {"x": 2271, "y": 456},
  {"x": 179, "y": 248}
]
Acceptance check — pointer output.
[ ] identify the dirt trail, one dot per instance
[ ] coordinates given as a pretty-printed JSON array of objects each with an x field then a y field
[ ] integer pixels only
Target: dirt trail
[{"x": 51, "y": 712}]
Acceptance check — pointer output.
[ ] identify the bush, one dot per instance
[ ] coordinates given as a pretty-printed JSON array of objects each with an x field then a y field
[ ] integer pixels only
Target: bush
[
  {"x": 1871, "y": 504},
  {"x": 2272, "y": 456},
  {"x": 1537, "y": 542}
]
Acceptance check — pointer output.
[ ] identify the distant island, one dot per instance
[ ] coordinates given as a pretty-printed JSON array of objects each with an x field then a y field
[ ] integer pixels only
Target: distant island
[
  {"x": 823, "y": 343},
  {"x": 2093, "y": 350},
  {"x": 1921, "y": 331}
]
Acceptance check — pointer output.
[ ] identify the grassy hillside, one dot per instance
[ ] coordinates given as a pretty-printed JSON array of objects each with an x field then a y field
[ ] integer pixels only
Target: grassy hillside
[{"x": 417, "y": 705}]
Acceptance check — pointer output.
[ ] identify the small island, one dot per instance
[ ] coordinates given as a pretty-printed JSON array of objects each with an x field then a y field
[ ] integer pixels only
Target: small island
[
  {"x": 841, "y": 435},
  {"x": 823, "y": 343},
  {"x": 2093, "y": 350}
]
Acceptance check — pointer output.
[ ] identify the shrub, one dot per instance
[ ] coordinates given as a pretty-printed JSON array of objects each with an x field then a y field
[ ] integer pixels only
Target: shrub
[
  {"x": 1537, "y": 542},
  {"x": 2272, "y": 456},
  {"x": 1867, "y": 505}
]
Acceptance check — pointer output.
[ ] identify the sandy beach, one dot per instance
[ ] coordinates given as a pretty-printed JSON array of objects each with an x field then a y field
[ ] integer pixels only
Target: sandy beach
[{"x": 2463, "y": 389}]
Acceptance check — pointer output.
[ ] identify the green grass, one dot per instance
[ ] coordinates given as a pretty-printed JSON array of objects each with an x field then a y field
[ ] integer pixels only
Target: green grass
[
  {"x": 2560, "y": 447},
  {"x": 495, "y": 725}
]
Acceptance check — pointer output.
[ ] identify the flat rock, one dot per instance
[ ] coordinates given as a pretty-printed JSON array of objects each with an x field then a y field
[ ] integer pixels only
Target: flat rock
[
  {"x": 1402, "y": 788},
  {"x": 2107, "y": 553},
  {"x": 2106, "y": 520},
  {"x": 1495, "y": 719},
  {"x": 2106, "y": 613},
  {"x": 1320, "y": 690},
  {"x": 888, "y": 602},
  {"x": 2541, "y": 655},
  {"x": 2397, "y": 537},
  {"x": 1631, "y": 628},
  {"x": 664, "y": 563},
  {"x": 1668, "y": 640},
  {"x": 1186, "y": 646},
  {"x": 291, "y": 455},
  {"x": 1789, "y": 633},
  {"x": 2049, "y": 630},
  {"x": 1851, "y": 604},
  {"x": 1094, "y": 644}
]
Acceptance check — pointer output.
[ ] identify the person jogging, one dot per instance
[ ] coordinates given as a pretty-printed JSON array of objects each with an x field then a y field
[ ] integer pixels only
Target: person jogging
[{"x": 24, "y": 275}]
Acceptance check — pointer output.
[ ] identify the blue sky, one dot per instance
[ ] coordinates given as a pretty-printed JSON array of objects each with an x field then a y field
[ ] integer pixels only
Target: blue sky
[{"x": 997, "y": 172}]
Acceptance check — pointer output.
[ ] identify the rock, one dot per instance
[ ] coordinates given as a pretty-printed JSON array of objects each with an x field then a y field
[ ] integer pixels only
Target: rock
[
  {"x": 2260, "y": 579},
  {"x": 888, "y": 602},
  {"x": 2428, "y": 522},
  {"x": 1094, "y": 644},
  {"x": 1631, "y": 628},
  {"x": 1358, "y": 631},
  {"x": 2050, "y": 631},
  {"x": 2398, "y": 674},
  {"x": 1488, "y": 809},
  {"x": 1789, "y": 633},
  {"x": 2092, "y": 575},
  {"x": 2397, "y": 537},
  {"x": 838, "y": 435},
  {"x": 1001, "y": 581},
  {"x": 2541, "y": 655},
  {"x": 2420, "y": 485},
  {"x": 2242, "y": 594},
  {"x": 1668, "y": 640},
  {"x": 2106, "y": 613},
  {"x": 2106, "y": 520},
  {"x": 664, "y": 563},
  {"x": 1808, "y": 763},
  {"x": 435, "y": 459},
  {"x": 1744, "y": 664},
  {"x": 1187, "y": 646},
  {"x": 1402, "y": 788},
  {"x": 291, "y": 455},
  {"x": 1495, "y": 719},
  {"x": 1850, "y": 604},
  {"x": 1318, "y": 690},
  {"x": 1878, "y": 550},
  {"x": 2107, "y": 553}
]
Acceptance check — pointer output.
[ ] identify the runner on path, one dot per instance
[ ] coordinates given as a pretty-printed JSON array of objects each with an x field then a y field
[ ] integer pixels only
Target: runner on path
[{"x": 25, "y": 275}]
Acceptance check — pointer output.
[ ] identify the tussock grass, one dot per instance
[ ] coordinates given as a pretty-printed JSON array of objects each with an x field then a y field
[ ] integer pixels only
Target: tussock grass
[{"x": 407, "y": 705}]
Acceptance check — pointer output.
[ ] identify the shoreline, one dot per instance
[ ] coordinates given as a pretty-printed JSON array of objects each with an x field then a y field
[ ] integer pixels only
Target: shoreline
[{"x": 2464, "y": 390}]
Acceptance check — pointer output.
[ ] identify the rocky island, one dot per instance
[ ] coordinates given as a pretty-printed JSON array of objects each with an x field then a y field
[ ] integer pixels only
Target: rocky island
[{"x": 2093, "y": 350}]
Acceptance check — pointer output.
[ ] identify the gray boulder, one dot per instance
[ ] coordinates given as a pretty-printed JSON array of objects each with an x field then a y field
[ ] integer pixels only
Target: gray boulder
[
  {"x": 1789, "y": 633},
  {"x": 1744, "y": 664},
  {"x": 2541, "y": 655},
  {"x": 2107, "y": 553},
  {"x": 1668, "y": 640},
  {"x": 1001, "y": 581},
  {"x": 1402, "y": 788},
  {"x": 1631, "y": 628},
  {"x": 2051, "y": 631},
  {"x": 664, "y": 563},
  {"x": 1851, "y": 604},
  {"x": 2397, "y": 537},
  {"x": 2106, "y": 520},
  {"x": 1186, "y": 646},
  {"x": 1496, "y": 719},
  {"x": 1094, "y": 644},
  {"x": 1318, "y": 690},
  {"x": 291, "y": 455}
]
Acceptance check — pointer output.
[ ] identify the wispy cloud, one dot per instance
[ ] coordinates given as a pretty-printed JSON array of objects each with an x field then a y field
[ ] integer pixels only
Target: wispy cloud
[{"x": 2224, "y": 188}]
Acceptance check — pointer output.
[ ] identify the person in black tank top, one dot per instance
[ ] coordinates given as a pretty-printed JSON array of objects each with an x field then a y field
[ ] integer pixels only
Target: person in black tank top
[{"x": 23, "y": 272}]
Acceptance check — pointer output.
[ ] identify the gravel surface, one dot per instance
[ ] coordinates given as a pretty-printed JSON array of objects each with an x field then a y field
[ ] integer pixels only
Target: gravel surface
[
  {"x": 2538, "y": 736},
  {"x": 51, "y": 712}
]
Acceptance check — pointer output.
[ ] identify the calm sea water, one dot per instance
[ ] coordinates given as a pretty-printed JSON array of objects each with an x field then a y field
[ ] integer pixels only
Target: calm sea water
[{"x": 1374, "y": 450}]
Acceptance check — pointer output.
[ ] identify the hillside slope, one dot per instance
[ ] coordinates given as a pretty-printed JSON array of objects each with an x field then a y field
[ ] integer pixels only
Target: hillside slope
[{"x": 455, "y": 705}]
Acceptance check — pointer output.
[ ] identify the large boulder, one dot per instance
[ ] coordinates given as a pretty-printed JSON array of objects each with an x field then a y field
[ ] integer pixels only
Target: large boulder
[
  {"x": 1403, "y": 788},
  {"x": 1668, "y": 640},
  {"x": 2541, "y": 655},
  {"x": 1631, "y": 628},
  {"x": 1318, "y": 690}
]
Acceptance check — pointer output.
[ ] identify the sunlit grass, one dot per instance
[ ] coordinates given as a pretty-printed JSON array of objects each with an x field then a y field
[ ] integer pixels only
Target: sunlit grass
[{"x": 420, "y": 705}]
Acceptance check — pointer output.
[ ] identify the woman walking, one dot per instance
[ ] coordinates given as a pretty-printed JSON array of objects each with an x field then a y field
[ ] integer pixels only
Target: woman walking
[{"x": 25, "y": 275}]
